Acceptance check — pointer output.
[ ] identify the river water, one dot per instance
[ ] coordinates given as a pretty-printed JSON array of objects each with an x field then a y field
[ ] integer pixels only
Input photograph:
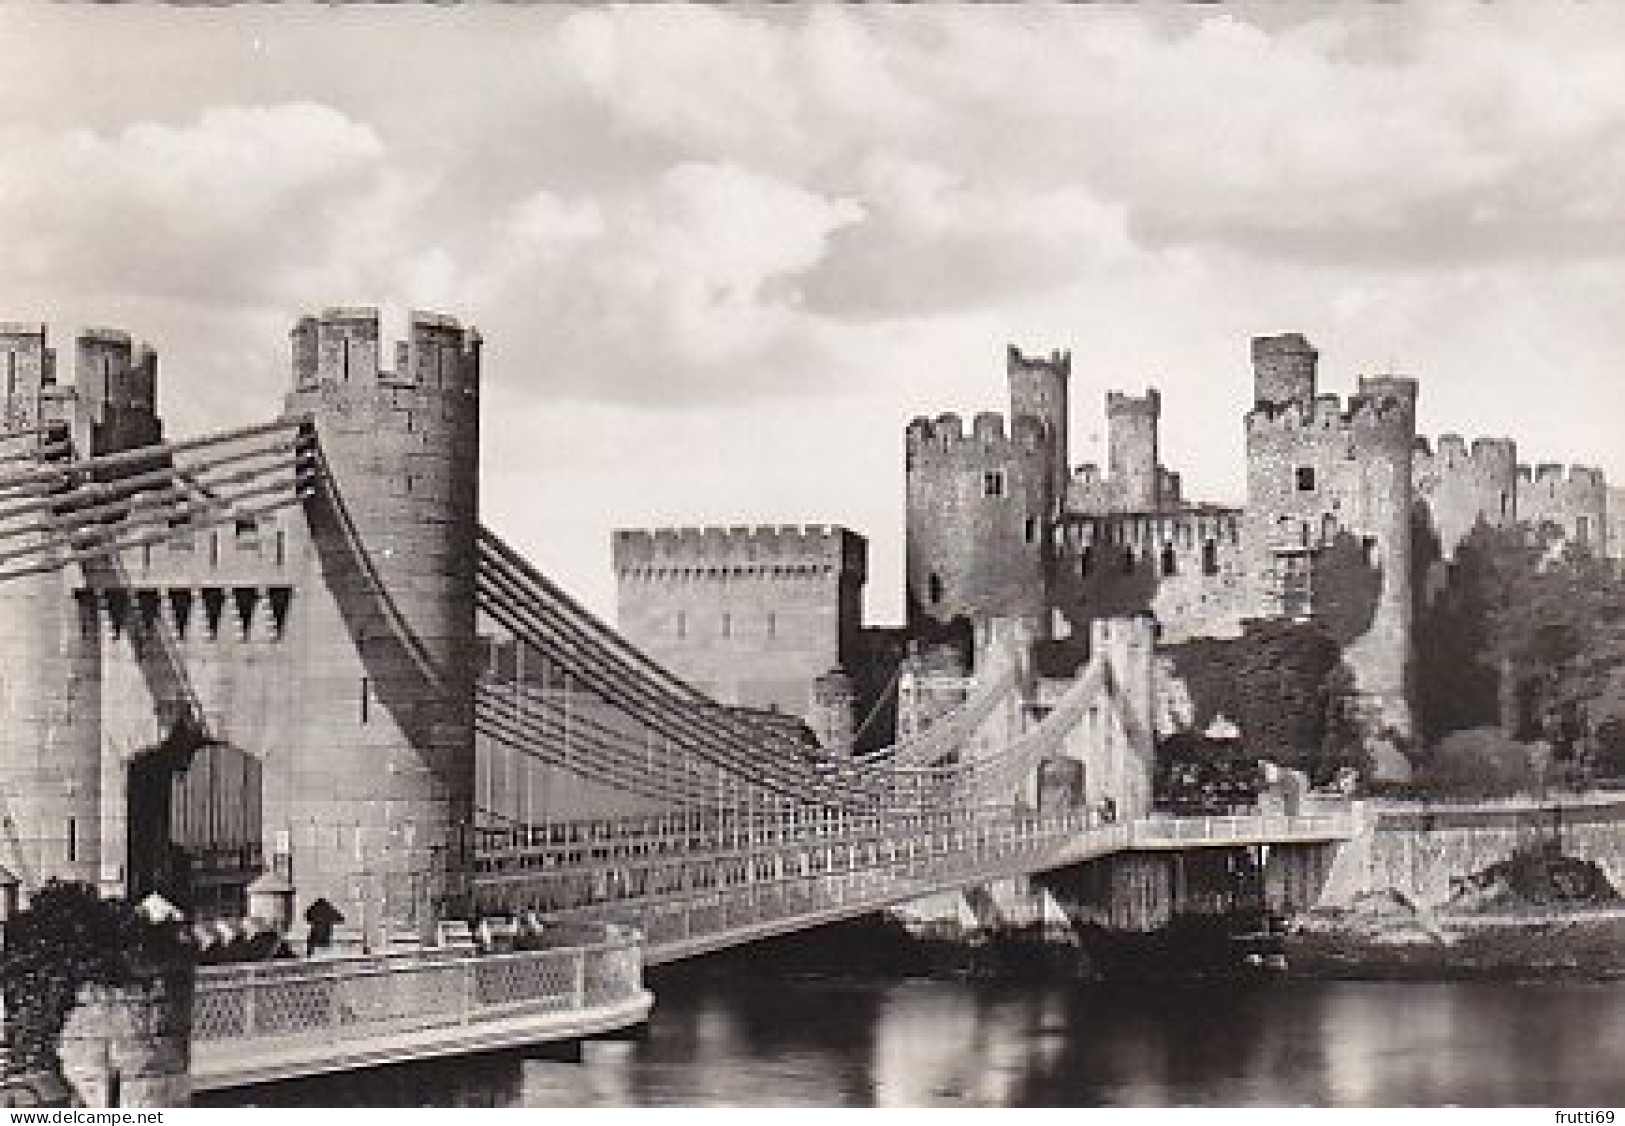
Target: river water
[{"x": 797, "y": 1039}]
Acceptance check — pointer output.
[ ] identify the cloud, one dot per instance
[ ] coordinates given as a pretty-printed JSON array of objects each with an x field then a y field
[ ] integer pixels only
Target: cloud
[
  {"x": 216, "y": 210},
  {"x": 686, "y": 289}
]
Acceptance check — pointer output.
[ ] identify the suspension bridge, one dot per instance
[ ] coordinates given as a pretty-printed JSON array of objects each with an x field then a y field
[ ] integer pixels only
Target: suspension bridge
[{"x": 287, "y": 664}]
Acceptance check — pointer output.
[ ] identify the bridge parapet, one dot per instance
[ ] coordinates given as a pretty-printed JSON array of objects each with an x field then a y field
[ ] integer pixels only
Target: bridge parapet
[{"x": 268, "y": 1021}]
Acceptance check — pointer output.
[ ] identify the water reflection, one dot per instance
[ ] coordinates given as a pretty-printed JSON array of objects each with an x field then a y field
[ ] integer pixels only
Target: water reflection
[{"x": 808, "y": 1041}]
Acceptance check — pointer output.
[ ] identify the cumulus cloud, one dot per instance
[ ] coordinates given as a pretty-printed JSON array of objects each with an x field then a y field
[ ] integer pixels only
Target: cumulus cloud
[{"x": 210, "y": 210}]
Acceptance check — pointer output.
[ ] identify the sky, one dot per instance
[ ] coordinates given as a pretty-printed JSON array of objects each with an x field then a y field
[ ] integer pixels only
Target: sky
[{"x": 721, "y": 255}]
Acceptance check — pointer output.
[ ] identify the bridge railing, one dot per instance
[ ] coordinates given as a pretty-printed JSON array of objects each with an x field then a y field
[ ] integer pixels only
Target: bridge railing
[
  {"x": 1161, "y": 832},
  {"x": 266, "y": 1008}
]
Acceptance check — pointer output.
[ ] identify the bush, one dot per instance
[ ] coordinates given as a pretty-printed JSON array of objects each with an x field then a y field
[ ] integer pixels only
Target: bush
[
  {"x": 1479, "y": 762},
  {"x": 68, "y": 937}
]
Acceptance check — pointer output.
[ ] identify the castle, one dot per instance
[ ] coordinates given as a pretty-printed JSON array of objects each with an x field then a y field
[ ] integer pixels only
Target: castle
[{"x": 1001, "y": 526}]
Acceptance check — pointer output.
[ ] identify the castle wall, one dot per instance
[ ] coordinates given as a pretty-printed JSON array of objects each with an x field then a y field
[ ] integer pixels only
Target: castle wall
[
  {"x": 1316, "y": 472},
  {"x": 1575, "y": 502},
  {"x": 977, "y": 519},
  {"x": 1616, "y": 523},
  {"x": 1187, "y": 569},
  {"x": 1460, "y": 487},
  {"x": 752, "y": 616}
]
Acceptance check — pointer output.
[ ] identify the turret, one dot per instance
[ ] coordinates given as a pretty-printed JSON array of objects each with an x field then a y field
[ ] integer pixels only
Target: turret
[
  {"x": 387, "y": 739},
  {"x": 1283, "y": 369},
  {"x": 978, "y": 522},
  {"x": 1038, "y": 389},
  {"x": 1132, "y": 454}
]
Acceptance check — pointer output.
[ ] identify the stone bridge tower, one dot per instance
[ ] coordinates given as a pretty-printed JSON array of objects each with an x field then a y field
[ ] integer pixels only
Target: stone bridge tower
[{"x": 384, "y": 742}]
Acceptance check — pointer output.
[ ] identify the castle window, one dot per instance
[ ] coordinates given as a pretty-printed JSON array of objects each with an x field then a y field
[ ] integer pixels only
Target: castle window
[
  {"x": 1504, "y": 506},
  {"x": 1210, "y": 558},
  {"x": 1170, "y": 564},
  {"x": 682, "y": 624},
  {"x": 1368, "y": 548},
  {"x": 1086, "y": 562},
  {"x": 366, "y": 700},
  {"x": 73, "y": 839},
  {"x": 993, "y": 483},
  {"x": 772, "y": 624},
  {"x": 933, "y": 587},
  {"x": 727, "y": 625},
  {"x": 1128, "y": 561},
  {"x": 1306, "y": 479},
  {"x": 1029, "y": 530}
]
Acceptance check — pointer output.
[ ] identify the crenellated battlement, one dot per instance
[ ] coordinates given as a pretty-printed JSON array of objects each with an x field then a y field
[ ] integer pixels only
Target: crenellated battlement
[
  {"x": 1486, "y": 456},
  {"x": 740, "y": 549},
  {"x": 342, "y": 346},
  {"x": 945, "y": 438},
  {"x": 1382, "y": 406},
  {"x": 1555, "y": 475},
  {"x": 1057, "y": 363},
  {"x": 1120, "y": 404}
]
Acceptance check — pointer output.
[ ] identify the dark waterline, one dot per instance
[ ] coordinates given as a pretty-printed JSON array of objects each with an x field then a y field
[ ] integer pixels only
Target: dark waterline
[{"x": 741, "y": 1039}]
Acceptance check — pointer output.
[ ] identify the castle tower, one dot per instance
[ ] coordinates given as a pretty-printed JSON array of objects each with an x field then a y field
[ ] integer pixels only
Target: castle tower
[
  {"x": 1574, "y": 502},
  {"x": 1460, "y": 487},
  {"x": 753, "y": 616},
  {"x": 978, "y": 525},
  {"x": 1283, "y": 369},
  {"x": 1038, "y": 389},
  {"x": 1328, "y": 524},
  {"x": 1132, "y": 449},
  {"x": 50, "y": 640},
  {"x": 384, "y": 748}
]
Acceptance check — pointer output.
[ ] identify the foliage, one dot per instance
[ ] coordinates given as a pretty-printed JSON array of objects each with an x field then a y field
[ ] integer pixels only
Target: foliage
[
  {"x": 1279, "y": 682},
  {"x": 67, "y": 937},
  {"x": 1528, "y": 635},
  {"x": 1479, "y": 762}
]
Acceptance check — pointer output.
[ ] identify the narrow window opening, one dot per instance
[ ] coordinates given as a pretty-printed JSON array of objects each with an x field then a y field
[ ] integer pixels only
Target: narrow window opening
[
  {"x": 281, "y": 547},
  {"x": 772, "y": 624},
  {"x": 993, "y": 483},
  {"x": 73, "y": 839},
  {"x": 1368, "y": 550},
  {"x": 1210, "y": 557},
  {"x": 1306, "y": 479},
  {"x": 1128, "y": 561},
  {"x": 214, "y": 549},
  {"x": 682, "y": 624},
  {"x": 933, "y": 587},
  {"x": 1170, "y": 563},
  {"x": 1086, "y": 562},
  {"x": 1504, "y": 506},
  {"x": 727, "y": 625},
  {"x": 366, "y": 700},
  {"x": 1030, "y": 529}
]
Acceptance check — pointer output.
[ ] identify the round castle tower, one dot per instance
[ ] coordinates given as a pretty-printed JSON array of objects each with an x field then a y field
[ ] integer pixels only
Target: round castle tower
[
  {"x": 385, "y": 744},
  {"x": 978, "y": 507},
  {"x": 1319, "y": 477}
]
